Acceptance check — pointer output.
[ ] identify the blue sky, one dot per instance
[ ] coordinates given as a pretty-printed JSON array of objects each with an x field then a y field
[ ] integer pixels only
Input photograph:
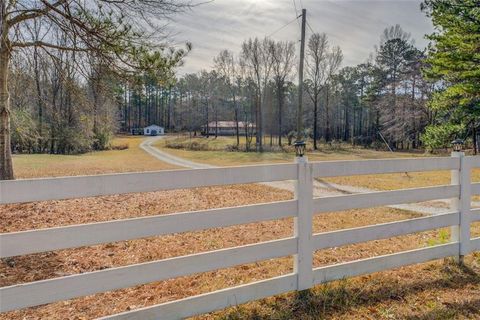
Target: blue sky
[{"x": 354, "y": 25}]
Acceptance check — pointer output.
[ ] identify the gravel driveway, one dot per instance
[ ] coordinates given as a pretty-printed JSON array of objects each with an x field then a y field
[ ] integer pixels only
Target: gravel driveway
[{"x": 321, "y": 188}]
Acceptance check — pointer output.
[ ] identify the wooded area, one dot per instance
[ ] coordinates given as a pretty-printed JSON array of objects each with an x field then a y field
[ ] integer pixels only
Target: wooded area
[
  {"x": 72, "y": 76},
  {"x": 387, "y": 94},
  {"x": 60, "y": 66},
  {"x": 398, "y": 99}
]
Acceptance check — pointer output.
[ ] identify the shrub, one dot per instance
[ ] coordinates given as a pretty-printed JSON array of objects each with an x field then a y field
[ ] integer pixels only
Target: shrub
[
  {"x": 121, "y": 146},
  {"x": 102, "y": 138},
  {"x": 291, "y": 136},
  {"x": 440, "y": 136},
  {"x": 173, "y": 144},
  {"x": 197, "y": 144},
  {"x": 232, "y": 148}
]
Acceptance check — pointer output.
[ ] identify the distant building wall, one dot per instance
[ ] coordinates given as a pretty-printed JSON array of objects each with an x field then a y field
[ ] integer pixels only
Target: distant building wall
[{"x": 226, "y": 128}]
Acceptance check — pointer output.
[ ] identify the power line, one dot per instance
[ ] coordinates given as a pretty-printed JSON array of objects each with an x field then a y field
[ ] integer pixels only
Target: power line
[
  {"x": 296, "y": 11},
  {"x": 295, "y": 5},
  {"x": 309, "y": 27},
  {"x": 271, "y": 34}
]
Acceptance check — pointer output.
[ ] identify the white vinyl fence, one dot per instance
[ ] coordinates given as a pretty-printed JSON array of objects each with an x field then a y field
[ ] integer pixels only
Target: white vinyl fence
[{"x": 302, "y": 245}]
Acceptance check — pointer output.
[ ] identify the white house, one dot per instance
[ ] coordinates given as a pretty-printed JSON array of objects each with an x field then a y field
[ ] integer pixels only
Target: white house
[{"x": 153, "y": 130}]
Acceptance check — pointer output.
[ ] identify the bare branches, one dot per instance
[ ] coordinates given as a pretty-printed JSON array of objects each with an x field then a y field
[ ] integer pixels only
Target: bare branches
[
  {"x": 47, "y": 45},
  {"x": 28, "y": 14},
  {"x": 120, "y": 30},
  {"x": 283, "y": 55},
  {"x": 322, "y": 62}
]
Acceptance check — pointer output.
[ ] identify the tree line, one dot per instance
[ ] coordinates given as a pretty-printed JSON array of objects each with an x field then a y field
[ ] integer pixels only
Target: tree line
[
  {"x": 382, "y": 101},
  {"x": 400, "y": 98}
]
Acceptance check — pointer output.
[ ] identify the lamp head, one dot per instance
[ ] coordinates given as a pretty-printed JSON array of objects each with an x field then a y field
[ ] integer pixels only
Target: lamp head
[
  {"x": 300, "y": 148},
  {"x": 457, "y": 145}
]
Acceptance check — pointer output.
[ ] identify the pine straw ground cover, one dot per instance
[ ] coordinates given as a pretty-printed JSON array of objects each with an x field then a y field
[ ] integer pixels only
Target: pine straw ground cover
[{"x": 427, "y": 291}]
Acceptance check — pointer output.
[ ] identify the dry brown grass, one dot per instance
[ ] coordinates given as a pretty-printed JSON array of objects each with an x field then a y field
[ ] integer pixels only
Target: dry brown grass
[
  {"x": 433, "y": 291},
  {"x": 379, "y": 182},
  {"x": 111, "y": 161},
  {"x": 401, "y": 180},
  {"x": 219, "y": 157}
]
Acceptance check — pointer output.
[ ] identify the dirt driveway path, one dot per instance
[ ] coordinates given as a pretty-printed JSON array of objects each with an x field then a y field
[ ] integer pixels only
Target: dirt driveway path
[{"x": 321, "y": 188}]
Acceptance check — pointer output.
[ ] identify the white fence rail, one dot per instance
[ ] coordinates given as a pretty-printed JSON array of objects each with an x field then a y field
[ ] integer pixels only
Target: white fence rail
[{"x": 302, "y": 245}]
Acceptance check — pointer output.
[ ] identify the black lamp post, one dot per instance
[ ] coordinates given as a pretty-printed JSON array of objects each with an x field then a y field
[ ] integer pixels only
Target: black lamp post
[
  {"x": 457, "y": 145},
  {"x": 299, "y": 148}
]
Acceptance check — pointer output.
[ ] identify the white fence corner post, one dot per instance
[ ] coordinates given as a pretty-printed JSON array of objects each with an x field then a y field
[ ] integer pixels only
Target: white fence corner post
[
  {"x": 461, "y": 232},
  {"x": 303, "y": 260}
]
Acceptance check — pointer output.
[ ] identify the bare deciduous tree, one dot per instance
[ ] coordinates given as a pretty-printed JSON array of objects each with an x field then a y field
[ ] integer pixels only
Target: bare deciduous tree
[
  {"x": 227, "y": 68},
  {"x": 258, "y": 62},
  {"x": 283, "y": 55},
  {"x": 322, "y": 62}
]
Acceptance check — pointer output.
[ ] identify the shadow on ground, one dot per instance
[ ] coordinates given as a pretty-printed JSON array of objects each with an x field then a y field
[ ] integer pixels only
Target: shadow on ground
[{"x": 376, "y": 298}]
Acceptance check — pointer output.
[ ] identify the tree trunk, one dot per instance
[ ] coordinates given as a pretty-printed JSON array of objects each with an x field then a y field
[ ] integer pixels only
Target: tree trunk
[
  {"x": 280, "y": 110},
  {"x": 206, "y": 119},
  {"x": 216, "y": 121},
  {"x": 475, "y": 142},
  {"x": 39, "y": 100},
  {"x": 237, "y": 130},
  {"x": 315, "y": 122},
  {"x": 327, "y": 118},
  {"x": 6, "y": 165},
  {"x": 346, "y": 129},
  {"x": 258, "y": 113}
]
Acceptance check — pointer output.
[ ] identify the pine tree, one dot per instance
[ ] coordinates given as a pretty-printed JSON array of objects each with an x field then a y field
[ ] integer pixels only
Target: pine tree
[{"x": 454, "y": 61}]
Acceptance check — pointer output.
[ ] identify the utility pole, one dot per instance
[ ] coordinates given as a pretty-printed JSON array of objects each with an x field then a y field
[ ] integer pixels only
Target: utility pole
[{"x": 300, "y": 79}]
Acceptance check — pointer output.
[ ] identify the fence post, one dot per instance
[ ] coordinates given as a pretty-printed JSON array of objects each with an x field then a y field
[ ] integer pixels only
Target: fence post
[
  {"x": 303, "y": 260},
  {"x": 462, "y": 177}
]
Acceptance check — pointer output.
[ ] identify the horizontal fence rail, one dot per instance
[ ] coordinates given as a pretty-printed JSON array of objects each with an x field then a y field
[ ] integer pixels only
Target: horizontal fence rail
[
  {"x": 355, "y": 167},
  {"x": 32, "y": 294},
  {"x": 475, "y": 244},
  {"x": 475, "y": 215},
  {"x": 383, "y": 198},
  {"x": 474, "y": 161},
  {"x": 382, "y": 231},
  {"x": 212, "y": 301},
  {"x": 301, "y": 246},
  {"x": 475, "y": 188},
  {"x": 34, "y": 241},
  {"x": 16, "y": 191},
  {"x": 371, "y": 265}
]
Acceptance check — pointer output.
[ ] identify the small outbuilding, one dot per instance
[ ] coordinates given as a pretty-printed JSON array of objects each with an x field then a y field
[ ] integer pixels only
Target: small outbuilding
[{"x": 153, "y": 130}]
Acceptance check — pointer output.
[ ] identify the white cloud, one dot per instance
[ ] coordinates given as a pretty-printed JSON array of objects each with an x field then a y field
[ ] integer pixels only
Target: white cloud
[{"x": 354, "y": 25}]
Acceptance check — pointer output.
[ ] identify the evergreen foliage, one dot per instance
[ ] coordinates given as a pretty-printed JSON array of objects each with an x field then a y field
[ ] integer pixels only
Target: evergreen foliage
[{"x": 454, "y": 61}]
